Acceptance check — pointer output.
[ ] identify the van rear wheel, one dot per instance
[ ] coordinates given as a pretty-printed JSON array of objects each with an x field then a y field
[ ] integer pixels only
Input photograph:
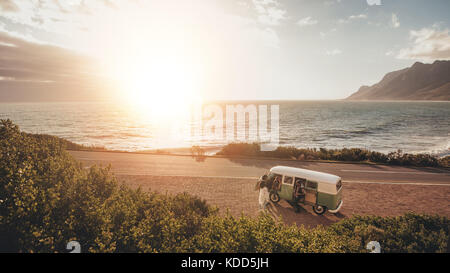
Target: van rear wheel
[
  {"x": 274, "y": 197},
  {"x": 319, "y": 210}
]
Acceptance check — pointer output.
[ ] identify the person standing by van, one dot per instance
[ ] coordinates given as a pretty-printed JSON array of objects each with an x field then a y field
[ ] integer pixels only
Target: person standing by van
[
  {"x": 299, "y": 189},
  {"x": 263, "y": 195}
]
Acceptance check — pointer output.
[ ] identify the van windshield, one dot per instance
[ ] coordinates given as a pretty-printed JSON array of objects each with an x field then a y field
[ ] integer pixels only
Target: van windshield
[{"x": 272, "y": 176}]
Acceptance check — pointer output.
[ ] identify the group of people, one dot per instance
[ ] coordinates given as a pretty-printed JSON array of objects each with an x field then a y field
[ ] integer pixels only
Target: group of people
[
  {"x": 264, "y": 195},
  {"x": 265, "y": 185}
]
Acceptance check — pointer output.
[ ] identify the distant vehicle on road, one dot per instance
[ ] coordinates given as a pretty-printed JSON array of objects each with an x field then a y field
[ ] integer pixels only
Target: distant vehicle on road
[{"x": 322, "y": 191}]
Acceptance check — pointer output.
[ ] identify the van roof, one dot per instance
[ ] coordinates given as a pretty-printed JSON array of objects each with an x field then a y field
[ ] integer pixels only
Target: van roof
[{"x": 307, "y": 174}]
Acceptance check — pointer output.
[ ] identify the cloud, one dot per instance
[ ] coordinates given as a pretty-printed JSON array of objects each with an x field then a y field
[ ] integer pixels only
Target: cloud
[
  {"x": 8, "y": 6},
  {"x": 333, "y": 52},
  {"x": 269, "y": 12},
  {"x": 352, "y": 18},
  {"x": 373, "y": 2},
  {"x": 324, "y": 34},
  {"x": 331, "y": 2},
  {"x": 42, "y": 19},
  {"x": 428, "y": 44},
  {"x": 29, "y": 70},
  {"x": 81, "y": 24},
  {"x": 359, "y": 16},
  {"x": 109, "y": 4},
  {"x": 83, "y": 8},
  {"x": 308, "y": 21},
  {"x": 395, "y": 23},
  {"x": 7, "y": 44}
]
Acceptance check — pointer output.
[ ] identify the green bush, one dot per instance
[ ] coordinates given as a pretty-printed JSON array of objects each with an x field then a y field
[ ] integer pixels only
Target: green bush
[
  {"x": 408, "y": 233},
  {"x": 264, "y": 235},
  {"x": 69, "y": 145},
  {"x": 345, "y": 154},
  {"x": 245, "y": 149},
  {"x": 48, "y": 199}
]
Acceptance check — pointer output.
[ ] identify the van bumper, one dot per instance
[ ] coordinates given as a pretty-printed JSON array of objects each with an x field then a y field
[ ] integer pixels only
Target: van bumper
[{"x": 338, "y": 208}]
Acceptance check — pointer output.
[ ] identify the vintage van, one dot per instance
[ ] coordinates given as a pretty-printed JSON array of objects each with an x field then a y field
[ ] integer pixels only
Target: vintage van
[{"x": 322, "y": 191}]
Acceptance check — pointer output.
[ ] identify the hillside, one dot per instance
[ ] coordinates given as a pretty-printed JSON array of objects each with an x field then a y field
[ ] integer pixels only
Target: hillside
[{"x": 418, "y": 82}]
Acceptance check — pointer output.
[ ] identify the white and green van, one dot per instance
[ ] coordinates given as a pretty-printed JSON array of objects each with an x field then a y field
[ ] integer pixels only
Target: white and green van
[{"x": 322, "y": 191}]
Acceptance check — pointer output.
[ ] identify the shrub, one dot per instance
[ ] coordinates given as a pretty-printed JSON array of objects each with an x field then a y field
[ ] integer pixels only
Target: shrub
[
  {"x": 345, "y": 154},
  {"x": 264, "y": 235},
  {"x": 243, "y": 149},
  {"x": 198, "y": 153},
  {"x": 408, "y": 233},
  {"x": 48, "y": 199},
  {"x": 445, "y": 161}
]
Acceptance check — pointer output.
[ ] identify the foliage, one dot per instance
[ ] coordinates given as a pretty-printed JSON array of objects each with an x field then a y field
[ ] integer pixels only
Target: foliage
[
  {"x": 69, "y": 145},
  {"x": 48, "y": 199},
  {"x": 197, "y": 151},
  {"x": 345, "y": 154},
  {"x": 264, "y": 235},
  {"x": 410, "y": 233},
  {"x": 244, "y": 149}
]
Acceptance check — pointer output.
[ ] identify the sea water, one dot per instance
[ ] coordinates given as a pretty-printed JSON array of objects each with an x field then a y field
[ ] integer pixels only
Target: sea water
[{"x": 381, "y": 126}]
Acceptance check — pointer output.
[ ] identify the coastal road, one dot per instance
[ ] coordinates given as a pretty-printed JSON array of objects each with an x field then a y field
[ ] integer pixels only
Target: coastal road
[
  {"x": 216, "y": 167},
  {"x": 229, "y": 184}
]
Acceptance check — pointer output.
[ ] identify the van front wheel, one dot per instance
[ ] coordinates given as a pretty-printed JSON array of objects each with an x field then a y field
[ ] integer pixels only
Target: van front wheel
[
  {"x": 319, "y": 210},
  {"x": 274, "y": 197}
]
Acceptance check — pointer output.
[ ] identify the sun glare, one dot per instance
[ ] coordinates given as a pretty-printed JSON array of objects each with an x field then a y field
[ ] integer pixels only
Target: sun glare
[
  {"x": 157, "y": 71},
  {"x": 159, "y": 86}
]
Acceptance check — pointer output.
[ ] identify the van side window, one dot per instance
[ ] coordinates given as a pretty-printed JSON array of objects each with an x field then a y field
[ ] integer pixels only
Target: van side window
[
  {"x": 311, "y": 184},
  {"x": 288, "y": 180},
  {"x": 301, "y": 181}
]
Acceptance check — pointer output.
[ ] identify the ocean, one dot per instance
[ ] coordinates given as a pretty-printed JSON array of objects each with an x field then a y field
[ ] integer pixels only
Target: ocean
[{"x": 414, "y": 127}]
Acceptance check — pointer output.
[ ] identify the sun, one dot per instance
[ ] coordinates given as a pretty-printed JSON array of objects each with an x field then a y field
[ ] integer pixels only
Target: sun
[
  {"x": 158, "y": 86},
  {"x": 153, "y": 64}
]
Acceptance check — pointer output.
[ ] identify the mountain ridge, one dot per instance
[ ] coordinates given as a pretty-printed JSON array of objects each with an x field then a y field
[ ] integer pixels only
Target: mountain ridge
[{"x": 418, "y": 82}]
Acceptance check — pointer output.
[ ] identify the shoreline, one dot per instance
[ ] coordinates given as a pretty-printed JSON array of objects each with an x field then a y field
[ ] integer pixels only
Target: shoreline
[
  {"x": 209, "y": 149},
  {"x": 204, "y": 157},
  {"x": 212, "y": 150}
]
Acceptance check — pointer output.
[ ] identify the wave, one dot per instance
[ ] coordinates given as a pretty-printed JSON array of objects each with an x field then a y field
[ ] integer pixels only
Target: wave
[{"x": 418, "y": 127}]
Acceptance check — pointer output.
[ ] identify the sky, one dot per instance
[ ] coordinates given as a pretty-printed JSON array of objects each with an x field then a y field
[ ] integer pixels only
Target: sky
[{"x": 211, "y": 49}]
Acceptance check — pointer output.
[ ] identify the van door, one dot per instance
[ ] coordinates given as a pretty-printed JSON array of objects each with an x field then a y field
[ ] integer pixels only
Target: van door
[
  {"x": 287, "y": 188},
  {"x": 311, "y": 192}
]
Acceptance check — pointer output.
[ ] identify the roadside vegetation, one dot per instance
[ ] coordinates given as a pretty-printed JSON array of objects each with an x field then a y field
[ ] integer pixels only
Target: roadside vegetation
[
  {"x": 69, "y": 145},
  {"x": 48, "y": 199},
  {"x": 283, "y": 152},
  {"x": 346, "y": 154}
]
